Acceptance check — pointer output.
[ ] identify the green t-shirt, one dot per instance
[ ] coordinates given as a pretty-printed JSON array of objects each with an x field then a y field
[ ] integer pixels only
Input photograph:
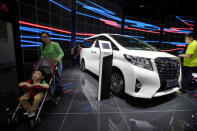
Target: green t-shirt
[
  {"x": 43, "y": 82},
  {"x": 52, "y": 52},
  {"x": 38, "y": 90},
  {"x": 191, "y": 50}
]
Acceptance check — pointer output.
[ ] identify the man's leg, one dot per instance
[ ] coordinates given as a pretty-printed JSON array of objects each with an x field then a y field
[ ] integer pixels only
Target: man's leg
[
  {"x": 186, "y": 78},
  {"x": 194, "y": 70},
  {"x": 193, "y": 81}
]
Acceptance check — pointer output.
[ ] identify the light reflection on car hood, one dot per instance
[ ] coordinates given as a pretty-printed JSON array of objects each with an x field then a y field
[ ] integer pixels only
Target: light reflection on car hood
[{"x": 148, "y": 54}]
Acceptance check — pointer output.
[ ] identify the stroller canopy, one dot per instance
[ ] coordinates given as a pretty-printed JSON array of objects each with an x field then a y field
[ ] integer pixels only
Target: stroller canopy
[{"x": 47, "y": 65}]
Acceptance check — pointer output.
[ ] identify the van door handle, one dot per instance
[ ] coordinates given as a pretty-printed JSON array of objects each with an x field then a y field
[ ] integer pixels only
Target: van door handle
[{"x": 93, "y": 51}]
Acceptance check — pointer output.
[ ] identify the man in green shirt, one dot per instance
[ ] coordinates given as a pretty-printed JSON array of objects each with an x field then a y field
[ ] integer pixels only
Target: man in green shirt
[{"x": 189, "y": 62}]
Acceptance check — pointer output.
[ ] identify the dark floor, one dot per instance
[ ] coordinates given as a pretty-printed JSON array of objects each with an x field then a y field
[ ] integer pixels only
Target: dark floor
[{"x": 79, "y": 110}]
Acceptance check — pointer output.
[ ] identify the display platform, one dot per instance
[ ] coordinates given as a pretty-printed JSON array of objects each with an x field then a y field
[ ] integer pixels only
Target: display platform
[{"x": 78, "y": 110}]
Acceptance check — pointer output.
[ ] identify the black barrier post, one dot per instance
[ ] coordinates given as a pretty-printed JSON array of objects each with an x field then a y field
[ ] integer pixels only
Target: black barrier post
[
  {"x": 161, "y": 32},
  {"x": 106, "y": 77},
  {"x": 105, "y": 69}
]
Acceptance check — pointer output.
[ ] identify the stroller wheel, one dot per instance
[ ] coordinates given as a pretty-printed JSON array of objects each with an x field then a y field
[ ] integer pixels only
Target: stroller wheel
[
  {"x": 9, "y": 121},
  {"x": 54, "y": 101},
  {"x": 16, "y": 120},
  {"x": 32, "y": 123},
  {"x": 38, "y": 121}
]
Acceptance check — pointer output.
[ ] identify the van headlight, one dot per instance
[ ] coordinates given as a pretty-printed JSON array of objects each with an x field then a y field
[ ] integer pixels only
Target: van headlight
[{"x": 139, "y": 61}]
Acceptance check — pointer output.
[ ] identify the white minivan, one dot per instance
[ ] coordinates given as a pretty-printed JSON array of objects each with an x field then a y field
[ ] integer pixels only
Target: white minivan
[{"x": 138, "y": 69}]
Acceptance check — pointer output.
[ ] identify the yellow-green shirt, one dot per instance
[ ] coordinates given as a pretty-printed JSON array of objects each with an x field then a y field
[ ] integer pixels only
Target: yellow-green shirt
[
  {"x": 52, "y": 51},
  {"x": 191, "y": 50}
]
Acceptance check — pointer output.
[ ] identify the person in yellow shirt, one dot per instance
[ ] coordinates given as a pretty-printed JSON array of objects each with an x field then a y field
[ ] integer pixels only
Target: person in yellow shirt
[{"x": 189, "y": 62}]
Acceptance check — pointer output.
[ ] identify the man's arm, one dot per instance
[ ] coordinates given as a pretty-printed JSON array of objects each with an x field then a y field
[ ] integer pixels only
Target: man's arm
[{"x": 191, "y": 49}]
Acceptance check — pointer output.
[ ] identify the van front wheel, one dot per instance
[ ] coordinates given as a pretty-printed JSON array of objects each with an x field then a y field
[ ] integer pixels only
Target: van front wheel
[{"x": 117, "y": 83}]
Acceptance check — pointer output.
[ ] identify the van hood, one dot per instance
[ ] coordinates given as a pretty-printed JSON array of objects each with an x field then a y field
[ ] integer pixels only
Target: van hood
[{"x": 148, "y": 54}]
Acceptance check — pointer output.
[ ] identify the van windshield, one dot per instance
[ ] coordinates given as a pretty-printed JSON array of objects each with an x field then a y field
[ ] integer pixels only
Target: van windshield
[{"x": 133, "y": 44}]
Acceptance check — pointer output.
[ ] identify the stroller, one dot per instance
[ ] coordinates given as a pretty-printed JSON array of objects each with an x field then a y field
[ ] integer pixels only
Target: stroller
[{"x": 50, "y": 94}]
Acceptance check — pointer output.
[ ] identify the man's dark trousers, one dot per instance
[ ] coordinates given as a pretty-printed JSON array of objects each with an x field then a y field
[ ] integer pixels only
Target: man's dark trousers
[{"x": 187, "y": 77}]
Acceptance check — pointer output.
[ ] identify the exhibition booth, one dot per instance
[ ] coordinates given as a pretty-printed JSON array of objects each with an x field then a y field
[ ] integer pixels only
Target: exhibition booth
[{"x": 97, "y": 65}]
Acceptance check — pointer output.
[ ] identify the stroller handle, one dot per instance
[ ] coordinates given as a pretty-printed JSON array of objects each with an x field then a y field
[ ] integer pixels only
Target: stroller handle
[{"x": 57, "y": 65}]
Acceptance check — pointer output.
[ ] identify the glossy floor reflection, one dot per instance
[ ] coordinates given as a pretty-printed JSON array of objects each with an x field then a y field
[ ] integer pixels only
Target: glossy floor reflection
[{"x": 79, "y": 110}]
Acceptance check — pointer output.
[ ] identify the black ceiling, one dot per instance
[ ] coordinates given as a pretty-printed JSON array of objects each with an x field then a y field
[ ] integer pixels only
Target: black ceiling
[{"x": 158, "y": 7}]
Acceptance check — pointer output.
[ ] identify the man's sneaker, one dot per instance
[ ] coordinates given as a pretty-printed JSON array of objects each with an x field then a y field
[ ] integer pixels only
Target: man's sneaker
[
  {"x": 26, "y": 113},
  {"x": 32, "y": 113},
  {"x": 179, "y": 92}
]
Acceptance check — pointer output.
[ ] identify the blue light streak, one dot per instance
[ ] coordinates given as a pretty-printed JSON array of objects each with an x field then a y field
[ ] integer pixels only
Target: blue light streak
[
  {"x": 67, "y": 84},
  {"x": 31, "y": 42},
  {"x": 60, "y": 5},
  {"x": 182, "y": 31},
  {"x": 30, "y": 46},
  {"x": 67, "y": 87},
  {"x": 173, "y": 43},
  {"x": 178, "y": 17},
  {"x": 108, "y": 11},
  {"x": 109, "y": 14},
  {"x": 35, "y": 30}
]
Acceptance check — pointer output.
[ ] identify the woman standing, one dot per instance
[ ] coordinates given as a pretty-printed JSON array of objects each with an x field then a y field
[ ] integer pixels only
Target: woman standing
[{"x": 51, "y": 50}]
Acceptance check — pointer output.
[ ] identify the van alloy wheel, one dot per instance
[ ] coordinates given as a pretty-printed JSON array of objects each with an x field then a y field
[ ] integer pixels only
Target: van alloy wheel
[{"x": 117, "y": 83}]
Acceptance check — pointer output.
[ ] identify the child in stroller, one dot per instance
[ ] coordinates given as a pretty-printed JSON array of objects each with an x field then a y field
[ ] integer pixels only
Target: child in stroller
[
  {"x": 35, "y": 90},
  {"x": 38, "y": 89}
]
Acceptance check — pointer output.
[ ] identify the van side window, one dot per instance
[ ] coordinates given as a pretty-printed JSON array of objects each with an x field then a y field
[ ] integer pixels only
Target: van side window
[
  {"x": 97, "y": 44},
  {"x": 88, "y": 43},
  {"x": 114, "y": 47}
]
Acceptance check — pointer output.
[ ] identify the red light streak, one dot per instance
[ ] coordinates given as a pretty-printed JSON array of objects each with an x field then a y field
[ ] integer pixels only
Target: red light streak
[
  {"x": 53, "y": 29},
  {"x": 142, "y": 30},
  {"x": 174, "y": 49},
  {"x": 187, "y": 23},
  {"x": 112, "y": 23},
  {"x": 189, "y": 28},
  {"x": 181, "y": 45}
]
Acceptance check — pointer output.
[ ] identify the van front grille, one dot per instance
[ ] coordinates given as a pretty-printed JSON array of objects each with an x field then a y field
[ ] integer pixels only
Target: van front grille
[{"x": 168, "y": 68}]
